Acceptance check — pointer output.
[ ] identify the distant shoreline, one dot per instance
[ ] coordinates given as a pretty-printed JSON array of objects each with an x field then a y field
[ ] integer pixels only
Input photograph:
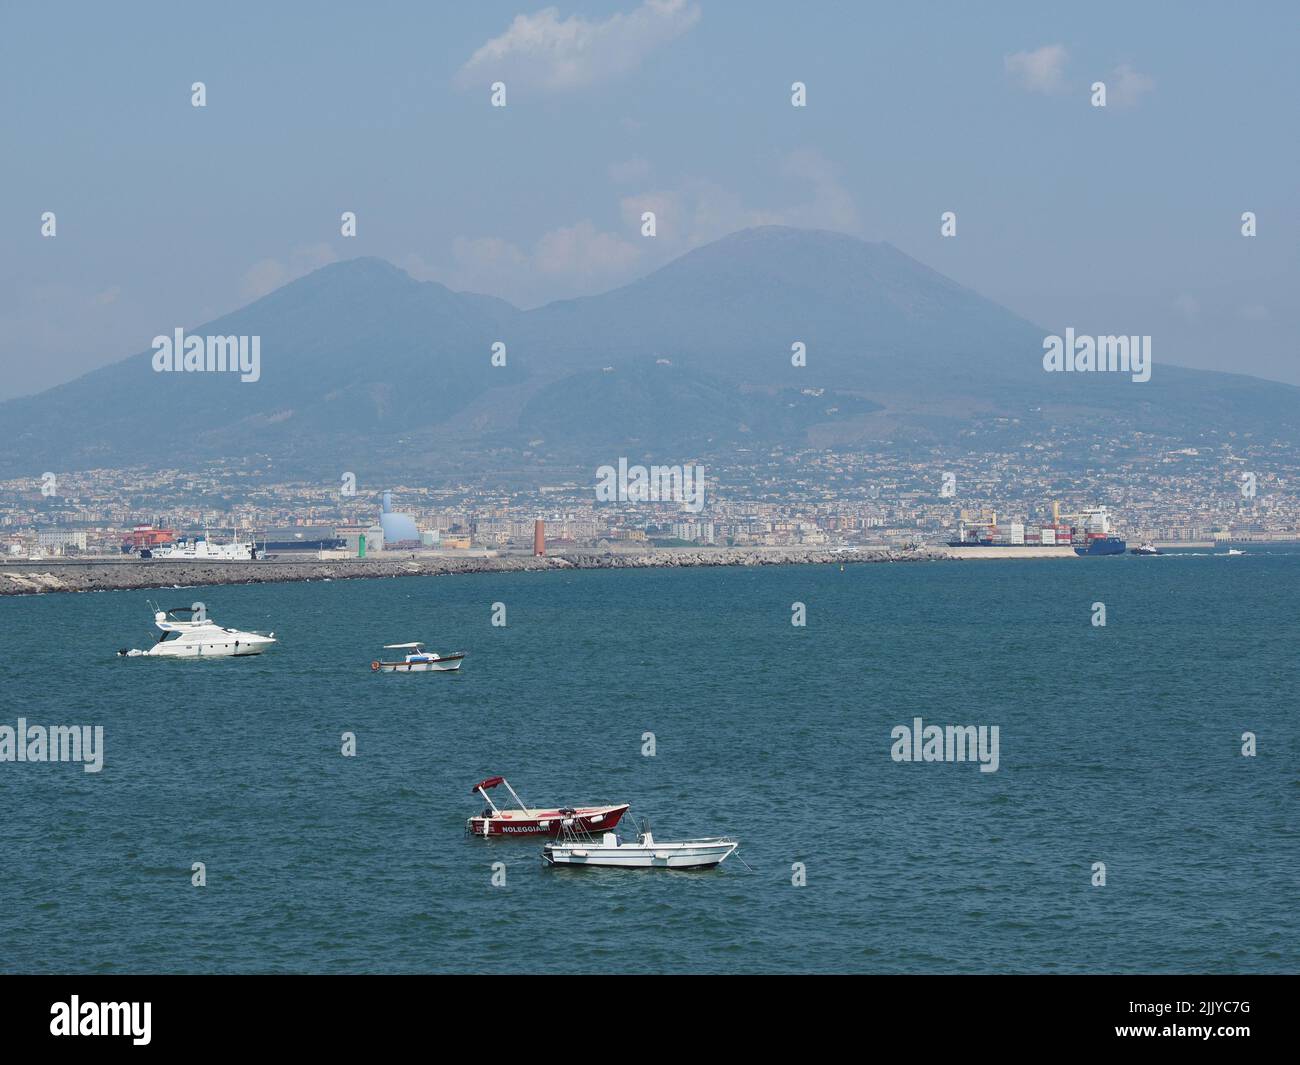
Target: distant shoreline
[
  {"x": 42, "y": 576},
  {"x": 98, "y": 575}
]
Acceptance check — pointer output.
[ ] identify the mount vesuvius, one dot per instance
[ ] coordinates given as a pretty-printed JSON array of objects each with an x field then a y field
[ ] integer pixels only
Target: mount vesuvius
[{"x": 358, "y": 358}]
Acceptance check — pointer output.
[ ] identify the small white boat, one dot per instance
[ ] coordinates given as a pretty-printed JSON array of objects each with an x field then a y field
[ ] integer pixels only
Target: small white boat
[
  {"x": 576, "y": 848},
  {"x": 1234, "y": 551},
  {"x": 418, "y": 660},
  {"x": 189, "y": 633}
]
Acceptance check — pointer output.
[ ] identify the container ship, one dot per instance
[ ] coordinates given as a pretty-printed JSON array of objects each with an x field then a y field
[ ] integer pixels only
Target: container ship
[{"x": 1089, "y": 533}]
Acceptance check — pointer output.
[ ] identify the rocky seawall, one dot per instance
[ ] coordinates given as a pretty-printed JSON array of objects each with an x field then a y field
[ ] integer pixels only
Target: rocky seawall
[{"x": 35, "y": 578}]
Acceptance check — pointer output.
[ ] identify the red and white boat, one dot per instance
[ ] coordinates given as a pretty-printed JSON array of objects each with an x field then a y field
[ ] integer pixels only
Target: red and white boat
[{"x": 525, "y": 820}]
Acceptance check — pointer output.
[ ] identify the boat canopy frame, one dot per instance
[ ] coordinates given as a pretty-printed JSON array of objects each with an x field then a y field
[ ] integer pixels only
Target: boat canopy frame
[{"x": 491, "y": 782}]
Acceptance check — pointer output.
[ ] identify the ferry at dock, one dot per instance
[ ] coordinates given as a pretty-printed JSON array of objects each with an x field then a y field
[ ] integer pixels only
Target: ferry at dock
[{"x": 202, "y": 549}]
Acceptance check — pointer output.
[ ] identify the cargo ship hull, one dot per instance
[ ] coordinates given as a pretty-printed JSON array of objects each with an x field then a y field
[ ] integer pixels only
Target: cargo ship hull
[{"x": 1107, "y": 545}]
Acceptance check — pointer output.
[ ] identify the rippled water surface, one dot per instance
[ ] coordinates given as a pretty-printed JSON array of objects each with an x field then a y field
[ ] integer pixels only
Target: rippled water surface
[{"x": 1119, "y": 744}]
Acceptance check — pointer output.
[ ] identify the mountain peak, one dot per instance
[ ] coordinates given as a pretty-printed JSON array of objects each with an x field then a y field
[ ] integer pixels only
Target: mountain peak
[
  {"x": 358, "y": 356},
  {"x": 364, "y": 268}
]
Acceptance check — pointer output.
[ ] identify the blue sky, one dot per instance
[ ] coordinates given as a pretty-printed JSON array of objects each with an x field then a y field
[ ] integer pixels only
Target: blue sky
[{"x": 1117, "y": 220}]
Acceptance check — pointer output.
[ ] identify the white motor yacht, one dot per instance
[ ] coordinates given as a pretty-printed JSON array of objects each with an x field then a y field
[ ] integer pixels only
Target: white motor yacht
[{"x": 187, "y": 632}]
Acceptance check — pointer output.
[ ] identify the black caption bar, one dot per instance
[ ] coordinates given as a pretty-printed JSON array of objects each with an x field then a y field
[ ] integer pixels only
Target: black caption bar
[{"x": 368, "y": 1013}]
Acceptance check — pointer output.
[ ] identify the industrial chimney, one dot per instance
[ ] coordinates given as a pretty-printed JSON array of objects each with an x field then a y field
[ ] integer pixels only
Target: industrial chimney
[{"x": 539, "y": 537}]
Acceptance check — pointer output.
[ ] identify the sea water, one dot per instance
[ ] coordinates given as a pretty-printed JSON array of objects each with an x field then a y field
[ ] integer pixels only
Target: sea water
[{"x": 1123, "y": 829}]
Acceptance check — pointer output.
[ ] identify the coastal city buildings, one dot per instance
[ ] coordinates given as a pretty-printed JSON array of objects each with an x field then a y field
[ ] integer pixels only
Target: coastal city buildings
[{"x": 775, "y": 498}]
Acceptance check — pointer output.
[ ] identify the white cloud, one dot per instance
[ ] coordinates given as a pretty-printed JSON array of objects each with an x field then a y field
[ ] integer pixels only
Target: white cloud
[
  {"x": 583, "y": 253},
  {"x": 546, "y": 51},
  {"x": 831, "y": 205},
  {"x": 1042, "y": 70},
  {"x": 1127, "y": 85},
  {"x": 480, "y": 254},
  {"x": 582, "y": 258},
  {"x": 691, "y": 213},
  {"x": 266, "y": 275},
  {"x": 629, "y": 171},
  {"x": 566, "y": 261},
  {"x": 695, "y": 211}
]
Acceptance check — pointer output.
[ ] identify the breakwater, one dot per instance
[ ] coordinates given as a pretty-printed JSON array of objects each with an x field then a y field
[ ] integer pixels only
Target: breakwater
[{"x": 91, "y": 575}]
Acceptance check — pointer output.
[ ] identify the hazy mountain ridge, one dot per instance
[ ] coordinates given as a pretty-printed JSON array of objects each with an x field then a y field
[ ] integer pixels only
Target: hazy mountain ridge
[{"x": 358, "y": 357}]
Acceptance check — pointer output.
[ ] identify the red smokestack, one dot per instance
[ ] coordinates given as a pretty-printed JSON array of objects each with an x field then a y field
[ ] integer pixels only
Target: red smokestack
[{"x": 539, "y": 537}]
